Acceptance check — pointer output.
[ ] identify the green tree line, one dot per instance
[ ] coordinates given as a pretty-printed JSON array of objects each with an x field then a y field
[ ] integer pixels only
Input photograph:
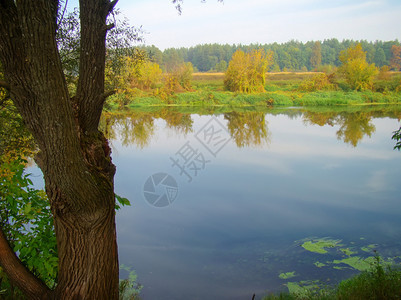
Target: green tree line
[{"x": 290, "y": 56}]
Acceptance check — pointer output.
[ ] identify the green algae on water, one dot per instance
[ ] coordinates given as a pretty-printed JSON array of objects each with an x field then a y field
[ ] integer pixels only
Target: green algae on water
[
  {"x": 369, "y": 248},
  {"x": 357, "y": 263},
  {"x": 287, "y": 275},
  {"x": 348, "y": 251},
  {"x": 319, "y": 264},
  {"x": 319, "y": 245}
]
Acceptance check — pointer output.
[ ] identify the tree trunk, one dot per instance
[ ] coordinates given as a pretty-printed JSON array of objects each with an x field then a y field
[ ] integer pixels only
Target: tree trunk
[
  {"x": 74, "y": 156},
  {"x": 88, "y": 265}
]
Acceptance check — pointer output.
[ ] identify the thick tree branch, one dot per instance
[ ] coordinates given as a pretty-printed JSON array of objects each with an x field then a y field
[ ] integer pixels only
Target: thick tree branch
[
  {"x": 90, "y": 89},
  {"x": 108, "y": 94},
  {"x": 19, "y": 274}
]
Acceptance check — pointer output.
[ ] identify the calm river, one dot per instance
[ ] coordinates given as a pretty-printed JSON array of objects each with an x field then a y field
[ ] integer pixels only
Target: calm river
[{"x": 223, "y": 203}]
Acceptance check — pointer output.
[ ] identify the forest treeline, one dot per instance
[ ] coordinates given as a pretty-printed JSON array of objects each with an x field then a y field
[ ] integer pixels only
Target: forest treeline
[{"x": 290, "y": 56}]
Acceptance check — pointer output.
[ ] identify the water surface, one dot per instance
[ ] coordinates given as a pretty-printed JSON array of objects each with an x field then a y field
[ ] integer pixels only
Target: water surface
[{"x": 272, "y": 181}]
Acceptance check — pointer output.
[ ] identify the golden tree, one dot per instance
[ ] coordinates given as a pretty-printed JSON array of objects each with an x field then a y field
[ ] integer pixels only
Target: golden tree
[
  {"x": 358, "y": 73},
  {"x": 148, "y": 76},
  {"x": 246, "y": 71}
]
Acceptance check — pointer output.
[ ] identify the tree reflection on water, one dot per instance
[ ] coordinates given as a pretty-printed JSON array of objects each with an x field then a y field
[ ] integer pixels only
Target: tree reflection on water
[{"x": 247, "y": 129}]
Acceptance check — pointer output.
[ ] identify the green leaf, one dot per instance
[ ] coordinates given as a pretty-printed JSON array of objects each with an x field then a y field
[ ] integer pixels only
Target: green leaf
[
  {"x": 122, "y": 201},
  {"x": 28, "y": 208}
]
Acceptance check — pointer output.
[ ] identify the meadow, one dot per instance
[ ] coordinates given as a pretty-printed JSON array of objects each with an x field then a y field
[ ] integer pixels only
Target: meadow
[{"x": 281, "y": 89}]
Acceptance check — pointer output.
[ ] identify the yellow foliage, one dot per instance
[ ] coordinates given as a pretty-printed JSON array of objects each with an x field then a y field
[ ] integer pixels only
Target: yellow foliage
[
  {"x": 356, "y": 70},
  {"x": 384, "y": 73},
  {"x": 178, "y": 80},
  {"x": 246, "y": 71},
  {"x": 316, "y": 83},
  {"x": 148, "y": 75},
  {"x": 132, "y": 73}
]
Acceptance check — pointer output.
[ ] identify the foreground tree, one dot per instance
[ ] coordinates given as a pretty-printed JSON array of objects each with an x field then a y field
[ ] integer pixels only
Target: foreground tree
[{"x": 74, "y": 156}]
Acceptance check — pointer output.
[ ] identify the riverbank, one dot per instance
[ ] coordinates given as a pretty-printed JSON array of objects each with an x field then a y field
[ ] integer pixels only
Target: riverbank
[
  {"x": 282, "y": 89},
  {"x": 319, "y": 98}
]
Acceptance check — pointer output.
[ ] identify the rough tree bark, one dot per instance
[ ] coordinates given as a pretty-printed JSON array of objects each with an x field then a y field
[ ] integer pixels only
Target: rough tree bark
[{"x": 74, "y": 156}]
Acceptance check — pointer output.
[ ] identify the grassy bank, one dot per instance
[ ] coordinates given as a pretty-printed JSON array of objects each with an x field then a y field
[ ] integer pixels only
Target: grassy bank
[
  {"x": 277, "y": 98},
  {"x": 380, "y": 282},
  {"x": 282, "y": 89}
]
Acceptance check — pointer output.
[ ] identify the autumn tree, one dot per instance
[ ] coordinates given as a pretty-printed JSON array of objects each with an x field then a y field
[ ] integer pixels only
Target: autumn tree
[
  {"x": 120, "y": 74},
  {"x": 246, "y": 72},
  {"x": 356, "y": 70},
  {"x": 150, "y": 75},
  {"x": 180, "y": 78},
  {"x": 136, "y": 71},
  {"x": 395, "y": 62},
  {"x": 74, "y": 155}
]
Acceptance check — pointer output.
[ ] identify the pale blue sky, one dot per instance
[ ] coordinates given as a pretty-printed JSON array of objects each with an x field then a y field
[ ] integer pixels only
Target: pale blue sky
[{"x": 263, "y": 21}]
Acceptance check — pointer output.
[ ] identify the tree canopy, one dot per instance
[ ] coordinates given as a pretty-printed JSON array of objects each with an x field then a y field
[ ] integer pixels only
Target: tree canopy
[
  {"x": 357, "y": 71},
  {"x": 246, "y": 71},
  {"x": 289, "y": 56}
]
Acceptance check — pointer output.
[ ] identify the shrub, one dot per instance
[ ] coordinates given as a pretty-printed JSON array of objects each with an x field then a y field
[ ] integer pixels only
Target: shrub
[
  {"x": 180, "y": 79},
  {"x": 316, "y": 83}
]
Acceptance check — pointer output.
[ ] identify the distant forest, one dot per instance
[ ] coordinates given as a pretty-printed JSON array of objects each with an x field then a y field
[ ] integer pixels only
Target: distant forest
[{"x": 290, "y": 56}]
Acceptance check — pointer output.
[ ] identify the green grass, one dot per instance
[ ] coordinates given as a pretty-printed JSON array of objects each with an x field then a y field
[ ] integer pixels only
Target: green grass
[
  {"x": 379, "y": 282},
  {"x": 282, "y": 89},
  {"x": 277, "y": 98}
]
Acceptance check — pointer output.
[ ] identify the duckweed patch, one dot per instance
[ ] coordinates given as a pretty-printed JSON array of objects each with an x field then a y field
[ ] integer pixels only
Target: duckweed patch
[
  {"x": 319, "y": 245},
  {"x": 347, "y": 251},
  {"x": 319, "y": 264},
  {"x": 339, "y": 258},
  {"x": 369, "y": 248},
  {"x": 357, "y": 262},
  {"x": 287, "y": 275}
]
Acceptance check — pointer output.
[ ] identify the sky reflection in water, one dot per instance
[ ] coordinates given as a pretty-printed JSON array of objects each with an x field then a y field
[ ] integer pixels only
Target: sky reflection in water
[{"x": 237, "y": 225}]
